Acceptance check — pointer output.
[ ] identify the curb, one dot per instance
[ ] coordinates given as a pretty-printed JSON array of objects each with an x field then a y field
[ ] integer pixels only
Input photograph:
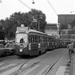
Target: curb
[{"x": 71, "y": 67}]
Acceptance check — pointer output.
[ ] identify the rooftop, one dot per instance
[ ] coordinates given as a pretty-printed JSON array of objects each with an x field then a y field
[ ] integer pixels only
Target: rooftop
[{"x": 51, "y": 26}]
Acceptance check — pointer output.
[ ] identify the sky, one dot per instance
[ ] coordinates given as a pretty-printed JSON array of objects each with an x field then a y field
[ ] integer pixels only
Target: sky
[{"x": 51, "y": 8}]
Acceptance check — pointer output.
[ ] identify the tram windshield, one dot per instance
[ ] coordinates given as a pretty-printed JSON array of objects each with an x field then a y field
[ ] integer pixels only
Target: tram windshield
[{"x": 21, "y": 38}]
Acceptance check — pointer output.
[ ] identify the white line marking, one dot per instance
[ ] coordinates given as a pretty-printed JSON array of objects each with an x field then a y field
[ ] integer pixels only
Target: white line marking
[
  {"x": 4, "y": 67},
  {"x": 61, "y": 70},
  {"x": 25, "y": 73},
  {"x": 42, "y": 71},
  {"x": 12, "y": 70}
]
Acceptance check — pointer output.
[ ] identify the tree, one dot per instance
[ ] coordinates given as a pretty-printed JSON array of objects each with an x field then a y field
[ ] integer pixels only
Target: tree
[
  {"x": 34, "y": 19},
  {"x": 2, "y": 22},
  {"x": 37, "y": 19}
]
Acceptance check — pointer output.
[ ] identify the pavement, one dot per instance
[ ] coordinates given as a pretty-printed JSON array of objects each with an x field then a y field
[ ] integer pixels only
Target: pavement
[{"x": 72, "y": 65}]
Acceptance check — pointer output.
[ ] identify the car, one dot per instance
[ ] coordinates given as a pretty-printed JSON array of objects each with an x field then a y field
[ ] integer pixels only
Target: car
[
  {"x": 10, "y": 46},
  {"x": 3, "y": 50}
]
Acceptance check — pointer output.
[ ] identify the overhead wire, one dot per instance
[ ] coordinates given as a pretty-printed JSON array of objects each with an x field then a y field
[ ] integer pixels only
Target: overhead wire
[
  {"x": 52, "y": 6},
  {"x": 46, "y": 0},
  {"x": 24, "y": 4}
]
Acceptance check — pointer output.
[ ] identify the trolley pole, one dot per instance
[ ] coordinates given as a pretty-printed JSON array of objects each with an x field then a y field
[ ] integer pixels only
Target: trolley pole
[{"x": 39, "y": 20}]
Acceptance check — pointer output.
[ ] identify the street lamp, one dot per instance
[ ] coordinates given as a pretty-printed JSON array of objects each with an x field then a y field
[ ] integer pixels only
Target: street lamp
[{"x": 33, "y": 2}]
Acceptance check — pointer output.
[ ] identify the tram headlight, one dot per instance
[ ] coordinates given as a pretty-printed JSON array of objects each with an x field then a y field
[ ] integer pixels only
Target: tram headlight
[
  {"x": 21, "y": 50},
  {"x": 38, "y": 45}
]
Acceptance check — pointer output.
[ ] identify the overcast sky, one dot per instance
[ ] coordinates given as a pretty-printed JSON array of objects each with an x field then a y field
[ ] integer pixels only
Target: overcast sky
[{"x": 51, "y": 8}]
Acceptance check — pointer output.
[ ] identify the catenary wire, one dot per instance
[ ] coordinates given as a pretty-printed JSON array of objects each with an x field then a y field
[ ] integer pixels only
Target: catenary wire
[
  {"x": 52, "y": 6},
  {"x": 24, "y": 4}
]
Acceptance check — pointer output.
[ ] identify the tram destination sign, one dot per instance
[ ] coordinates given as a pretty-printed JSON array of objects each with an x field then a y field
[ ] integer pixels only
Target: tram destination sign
[{"x": 22, "y": 29}]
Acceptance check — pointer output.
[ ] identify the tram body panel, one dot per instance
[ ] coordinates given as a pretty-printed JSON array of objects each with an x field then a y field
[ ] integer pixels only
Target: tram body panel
[
  {"x": 20, "y": 51},
  {"x": 33, "y": 49}
]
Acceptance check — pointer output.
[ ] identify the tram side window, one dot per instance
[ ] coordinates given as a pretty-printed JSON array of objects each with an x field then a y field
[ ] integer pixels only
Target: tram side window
[
  {"x": 41, "y": 39},
  {"x": 45, "y": 39},
  {"x": 36, "y": 39},
  {"x": 49, "y": 39},
  {"x": 31, "y": 38}
]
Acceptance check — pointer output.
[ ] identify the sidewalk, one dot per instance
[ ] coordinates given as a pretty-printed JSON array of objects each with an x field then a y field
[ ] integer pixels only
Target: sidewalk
[{"x": 72, "y": 65}]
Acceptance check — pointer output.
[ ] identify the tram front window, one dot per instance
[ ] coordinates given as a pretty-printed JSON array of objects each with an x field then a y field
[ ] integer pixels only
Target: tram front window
[{"x": 21, "y": 38}]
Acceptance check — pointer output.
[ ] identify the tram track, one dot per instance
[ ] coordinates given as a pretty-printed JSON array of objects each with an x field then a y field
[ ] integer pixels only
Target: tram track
[
  {"x": 21, "y": 70},
  {"x": 7, "y": 58},
  {"x": 18, "y": 72},
  {"x": 52, "y": 65},
  {"x": 22, "y": 65},
  {"x": 9, "y": 61}
]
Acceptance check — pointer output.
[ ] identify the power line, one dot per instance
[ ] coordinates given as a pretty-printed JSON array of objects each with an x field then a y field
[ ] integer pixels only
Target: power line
[
  {"x": 52, "y": 6},
  {"x": 24, "y": 4}
]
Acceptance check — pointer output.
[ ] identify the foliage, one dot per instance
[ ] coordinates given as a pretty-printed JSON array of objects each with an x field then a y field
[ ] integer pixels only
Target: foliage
[
  {"x": 34, "y": 19},
  {"x": 37, "y": 20}
]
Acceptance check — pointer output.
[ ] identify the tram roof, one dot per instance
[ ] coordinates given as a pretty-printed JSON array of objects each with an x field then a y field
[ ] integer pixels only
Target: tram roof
[
  {"x": 28, "y": 30},
  {"x": 35, "y": 31}
]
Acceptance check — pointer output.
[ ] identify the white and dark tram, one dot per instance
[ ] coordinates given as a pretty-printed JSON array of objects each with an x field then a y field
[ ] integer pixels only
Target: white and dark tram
[{"x": 32, "y": 42}]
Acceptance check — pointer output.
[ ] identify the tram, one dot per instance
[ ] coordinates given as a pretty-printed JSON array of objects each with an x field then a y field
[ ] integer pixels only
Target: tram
[{"x": 32, "y": 42}]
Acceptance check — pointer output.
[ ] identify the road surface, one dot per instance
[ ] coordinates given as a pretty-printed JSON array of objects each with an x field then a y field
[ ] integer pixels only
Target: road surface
[{"x": 51, "y": 63}]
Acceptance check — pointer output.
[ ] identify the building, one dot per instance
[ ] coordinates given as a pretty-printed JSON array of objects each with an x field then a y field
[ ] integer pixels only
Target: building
[
  {"x": 68, "y": 34},
  {"x": 65, "y": 20},
  {"x": 52, "y": 29}
]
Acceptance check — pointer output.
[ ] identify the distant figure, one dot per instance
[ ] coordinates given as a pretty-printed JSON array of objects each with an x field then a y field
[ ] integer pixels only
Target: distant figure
[
  {"x": 70, "y": 48},
  {"x": 21, "y": 40}
]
